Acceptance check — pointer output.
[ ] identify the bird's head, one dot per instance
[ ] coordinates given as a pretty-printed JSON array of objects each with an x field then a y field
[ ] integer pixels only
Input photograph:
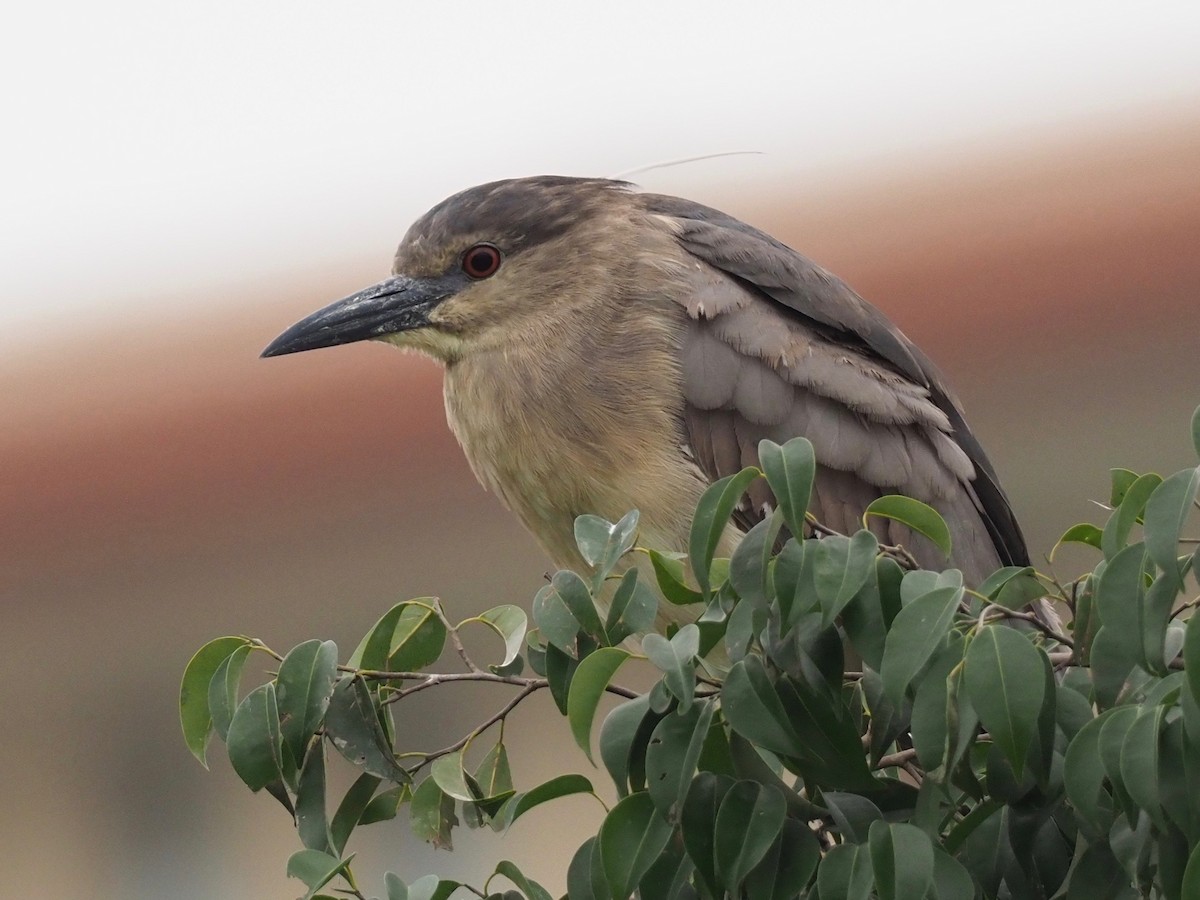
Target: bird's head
[{"x": 472, "y": 268}]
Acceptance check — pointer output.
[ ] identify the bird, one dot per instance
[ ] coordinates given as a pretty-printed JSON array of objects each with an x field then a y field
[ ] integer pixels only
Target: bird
[{"x": 608, "y": 349}]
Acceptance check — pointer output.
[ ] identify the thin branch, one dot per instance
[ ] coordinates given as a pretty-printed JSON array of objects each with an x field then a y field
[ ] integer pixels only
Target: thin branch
[
  {"x": 455, "y": 640},
  {"x": 425, "y": 681},
  {"x": 914, "y": 773},
  {"x": 1032, "y": 619},
  {"x": 899, "y": 758},
  {"x": 895, "y": 551},
  {"x": 1191, "y": 604},
  {"x": 479, "y": 729}
]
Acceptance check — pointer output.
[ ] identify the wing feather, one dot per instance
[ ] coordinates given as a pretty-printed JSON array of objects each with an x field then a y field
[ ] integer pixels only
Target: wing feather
[{"x": 776, "y": 347}]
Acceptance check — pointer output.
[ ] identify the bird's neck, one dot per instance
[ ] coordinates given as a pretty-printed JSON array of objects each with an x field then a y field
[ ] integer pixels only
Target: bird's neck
[{"x": 578, "y": 415}]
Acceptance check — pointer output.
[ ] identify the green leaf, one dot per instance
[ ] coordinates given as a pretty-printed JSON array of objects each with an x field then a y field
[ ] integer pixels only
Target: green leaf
[
  {"x": 698, "y": 822},
  {"x": 352, "y": 724},
  {"x": 921, "y": 581},
  {"x": 1120, "y": 602},
  {"x": 845, "y": 873},
  {"x": 1083, "y": 777},
  {"x": 1191, "y": 654},
  {"x": 372, "y": 650},
  {"x": 931, "y": 716},
  {"x": 194, "y": 714},
  {"x": 916, "y": 632},
  {"x": 1098, "y": 876},
  {"x": 408, "y": 637},
  {"x": 1004, "y": 678},
  {"x": 712, "y": 515},
  {"x": 1156, "y": 618},
  {"x": 901, "y": 859},
  {"x": 447, "y": 771},
  {"x": 951, "y": 880},
  {"x": 592, "y": 534},
  {"x": 1139, "y": 763},
  {"x": 302, "y": 690},
  {"x": 745, "y": 623},
  {"x": 888, "y": 721},
  {"x": 555, "y": 620},
  {"x": 754, "y": 710},
  {"x": 577, "y": 597},
  {"x": 432, "y": 888},
  {"x": 790, "y": 471},
  {"x": 601, "y": 543},
  {"x": 749, "y": 820},
  {"x": 530, "y": 888},
  {"x": 1112, "y": 737},
  {"x": 311, "y": 822},
  {"x": 863, "y": 620},
  {"x": 750, "y": 566},
  {"x": 630, "y": 840},
  {"x": 560, "y": 670},
  {"x": 1191, "y": 875},
  {"x": 676, "y": 658},
  {"x": 315, "y": 869},
  {"x": 918, "y": 516},
  {"x": 494, "y": 775},
  {"x": 617, "y": 734},
  {"x": 223, "y": 689},
  {"x": 396, "y": 889},
  {"x": 255, "y": 744},
  {"x": 840, "y": 569},
  {"x": 828, "y": 738},
  {"x": 562, "y": 786},
  {"x": 1121, "y": 481},
  {"x": 579, "y": 874},
  {"x": 510, "y": 623},
  {"x": 587, "y": 687},
  {"x": 1116, "y": 531},
  {"x": 350, "y": 810},
  {"x": 1013, "y": 587},
  {"x": 672, "y": 755},
  {"x": 852, "y": 815},
  {"x": 418, "y": 640},
  {"x": 633, "y": 609},
  {"x": 385, "y": 806},
  {"x": 1083, "y": 533},
  {"x": 669, "y": 573},
  {"x": 432, "y": 814},
  {"x": 787, "y": 866},
  {"x": 1166, "y": 512}
]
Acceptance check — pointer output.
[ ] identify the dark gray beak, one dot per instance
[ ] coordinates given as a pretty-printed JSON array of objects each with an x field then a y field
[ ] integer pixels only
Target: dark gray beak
[{"x": 397, "y": 304}]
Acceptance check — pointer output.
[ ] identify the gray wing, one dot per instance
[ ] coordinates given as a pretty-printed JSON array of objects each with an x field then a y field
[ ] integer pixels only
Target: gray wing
[{"x": 778, "y": 347}]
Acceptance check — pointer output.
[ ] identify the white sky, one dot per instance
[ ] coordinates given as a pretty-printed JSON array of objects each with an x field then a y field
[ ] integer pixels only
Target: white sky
[{"x": 156, "y": 149}]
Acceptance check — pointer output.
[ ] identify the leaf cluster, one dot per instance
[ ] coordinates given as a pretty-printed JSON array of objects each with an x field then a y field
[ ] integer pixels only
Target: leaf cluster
[{"x": 828, "y": 720}]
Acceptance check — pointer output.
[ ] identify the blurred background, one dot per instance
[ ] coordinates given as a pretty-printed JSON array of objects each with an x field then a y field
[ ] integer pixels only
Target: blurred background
[{"x": 1016, "y": 185}]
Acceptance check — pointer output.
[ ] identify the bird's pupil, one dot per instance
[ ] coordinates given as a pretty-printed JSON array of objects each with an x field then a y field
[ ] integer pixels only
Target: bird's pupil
[{"x": 481, "y": 260}]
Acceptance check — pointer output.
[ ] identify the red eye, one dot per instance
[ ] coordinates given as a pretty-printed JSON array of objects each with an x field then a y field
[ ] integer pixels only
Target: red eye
[{"x": 481, "y": 261}]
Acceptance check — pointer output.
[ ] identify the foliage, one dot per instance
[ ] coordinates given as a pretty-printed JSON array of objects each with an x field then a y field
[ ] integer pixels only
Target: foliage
[{"x": 831, "y": 722}]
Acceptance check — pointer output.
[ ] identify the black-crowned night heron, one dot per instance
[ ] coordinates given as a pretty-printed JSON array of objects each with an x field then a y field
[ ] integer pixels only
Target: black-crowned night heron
[{"x": 607, "y": 350}]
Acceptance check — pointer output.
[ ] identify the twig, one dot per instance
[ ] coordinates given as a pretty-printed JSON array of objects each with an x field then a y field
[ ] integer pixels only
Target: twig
[
  {"x": 481, "y": 728},
  {"x": 914, "y": 773},
  {"x": 1191, "y": 604},
  {"x": 1032, "y": 619},
  {"x": 895, "y": 551},
  {"x": 454, "y": 638},
  {"x": 425, "y": 681},
  {"x": 900, "y": 758}
]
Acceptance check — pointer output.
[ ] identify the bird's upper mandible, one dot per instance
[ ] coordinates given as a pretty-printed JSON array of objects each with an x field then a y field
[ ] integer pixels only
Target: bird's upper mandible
[{"x": 607, "y": 349}]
